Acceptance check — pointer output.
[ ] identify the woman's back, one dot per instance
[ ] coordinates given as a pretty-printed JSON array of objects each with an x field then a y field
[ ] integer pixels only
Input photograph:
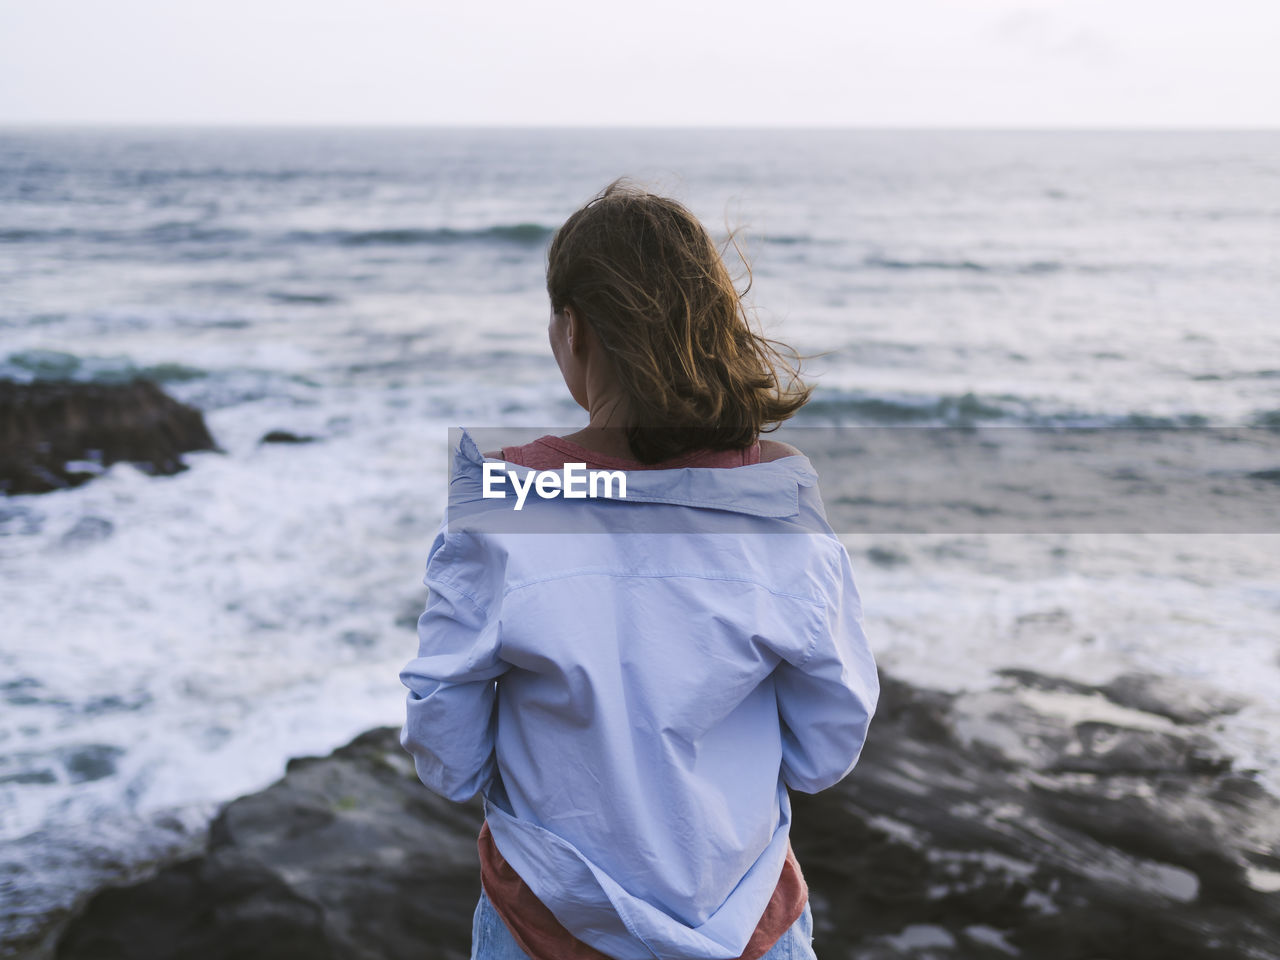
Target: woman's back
[{"x": 657, "y": 692}]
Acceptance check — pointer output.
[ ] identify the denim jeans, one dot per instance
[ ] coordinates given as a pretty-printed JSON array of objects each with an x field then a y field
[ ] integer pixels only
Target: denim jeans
[{"x": 491, "y": 940}]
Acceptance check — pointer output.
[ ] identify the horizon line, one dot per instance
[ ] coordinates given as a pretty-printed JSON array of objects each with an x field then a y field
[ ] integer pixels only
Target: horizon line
[{"x": 693, "y": 127}]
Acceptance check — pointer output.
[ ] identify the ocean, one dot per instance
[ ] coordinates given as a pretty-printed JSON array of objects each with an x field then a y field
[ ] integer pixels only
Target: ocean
[{"x": 170, "y": 642}]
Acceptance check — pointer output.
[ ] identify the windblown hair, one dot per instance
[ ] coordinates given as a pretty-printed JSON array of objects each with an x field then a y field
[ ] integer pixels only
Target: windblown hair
[{"x": 646, "y": 276}]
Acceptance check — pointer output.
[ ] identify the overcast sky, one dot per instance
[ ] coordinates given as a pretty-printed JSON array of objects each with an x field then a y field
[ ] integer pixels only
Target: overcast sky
[{"x": 1129, "y": 63}]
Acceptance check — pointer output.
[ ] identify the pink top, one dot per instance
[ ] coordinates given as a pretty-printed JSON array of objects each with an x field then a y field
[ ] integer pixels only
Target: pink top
[
  {"x": 534, "y": 928},
  {"x": 552, "y": 453}
]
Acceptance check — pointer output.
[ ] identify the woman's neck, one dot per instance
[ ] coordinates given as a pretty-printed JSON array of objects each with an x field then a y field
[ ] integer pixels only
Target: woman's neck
[
  {"x": 606, "y": 431},
  {"x": 609, "y": 441}
]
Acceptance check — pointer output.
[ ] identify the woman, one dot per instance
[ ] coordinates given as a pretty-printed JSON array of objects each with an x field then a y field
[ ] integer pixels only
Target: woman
[{"x": 635, "y": 680}]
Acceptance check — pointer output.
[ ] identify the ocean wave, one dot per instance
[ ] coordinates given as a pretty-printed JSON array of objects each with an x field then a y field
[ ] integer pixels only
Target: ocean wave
[
  {"x": 23, "y": 235},
  {"x": 27, "y": 366},
  {"x": 306, "y": 299},
  {"x": 868, "y": 408},
  {"x": 832, "y": 406},
  {"x": 1263, "y": 374},
  {"x": 1267, "y": 419},
  {"x": 186, "y": 231},
  {"x": 514, "y": 234},
  {"x": 876, "y": 261},
  {"x": 177, "y": 231},
  {"x": 128, "y": 179},
  {"x": 518, "y": 234}
]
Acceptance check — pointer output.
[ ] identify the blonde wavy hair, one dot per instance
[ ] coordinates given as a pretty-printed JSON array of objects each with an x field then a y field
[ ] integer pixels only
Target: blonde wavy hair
[{"x": 644, "y": 273}]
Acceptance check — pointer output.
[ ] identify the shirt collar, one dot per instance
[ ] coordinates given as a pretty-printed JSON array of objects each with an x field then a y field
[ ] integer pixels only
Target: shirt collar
[{"x": 769, "y": 489}]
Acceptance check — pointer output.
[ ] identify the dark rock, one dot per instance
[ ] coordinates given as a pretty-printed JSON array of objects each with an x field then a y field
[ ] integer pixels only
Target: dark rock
[
  {"x": 1105, "y": 748},
  {"x": 1180, "y": 702},
  {"x": 1141, "y": 854},
  {"x": 255, "y": 917},
  {"x": 47, "y": 426},
  {"x": 1044, "y": 681},
  {"x": 284, "y": 436},
  {"x": 975, "y": 825},
  {"x": 348, "y": 856},
  {"x": 92, "y": 761},
  {"x": 886, "y": 556}
]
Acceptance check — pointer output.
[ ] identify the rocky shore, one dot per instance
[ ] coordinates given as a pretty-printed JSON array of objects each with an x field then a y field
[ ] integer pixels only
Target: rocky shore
[
  {"x": 1044, "y": 819},
  {"x": 58, "y": 434}
]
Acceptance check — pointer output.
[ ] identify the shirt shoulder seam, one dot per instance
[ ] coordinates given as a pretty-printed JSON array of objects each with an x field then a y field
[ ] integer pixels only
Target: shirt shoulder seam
[
  {"x": 666, "y": 574},
  {"x": 460, "y": 591}
]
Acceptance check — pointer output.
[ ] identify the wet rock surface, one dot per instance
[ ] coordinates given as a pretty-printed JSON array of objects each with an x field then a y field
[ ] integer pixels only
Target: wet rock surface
[
  {"x": 1032, "y": 820},
  {"x": 58, "y": 434},
  {"x": 1180, "y": 702},
  {"x": 348, "y": 856},
  {"x": 285, "y": 436},
  {"x": 1041, "y": 823}
]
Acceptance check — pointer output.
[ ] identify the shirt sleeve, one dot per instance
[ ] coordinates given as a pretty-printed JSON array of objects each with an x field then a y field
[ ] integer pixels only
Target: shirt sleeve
[
  {"x": 827, "y": 698},
  {"x": 451, "y": 706}
]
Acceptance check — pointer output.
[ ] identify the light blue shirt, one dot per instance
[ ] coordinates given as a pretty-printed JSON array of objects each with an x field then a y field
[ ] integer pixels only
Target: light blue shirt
[{"x": 656, "y": 692}]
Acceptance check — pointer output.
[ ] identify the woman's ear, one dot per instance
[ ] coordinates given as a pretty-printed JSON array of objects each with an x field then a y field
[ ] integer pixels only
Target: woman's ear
[{"x": 577, "y": 332}]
